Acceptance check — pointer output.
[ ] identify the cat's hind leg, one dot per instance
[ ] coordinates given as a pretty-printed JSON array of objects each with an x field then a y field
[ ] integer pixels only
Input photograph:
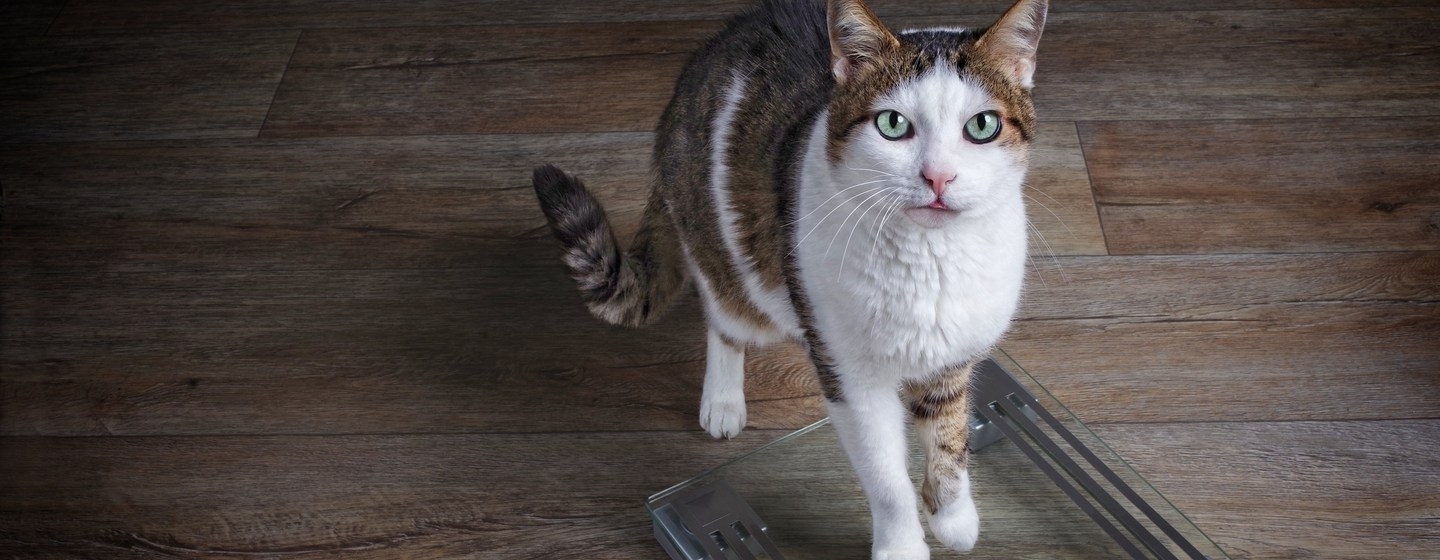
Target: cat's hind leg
[
  {"x": 941, "y": 408},
  {"x": 722, "y": 402}
]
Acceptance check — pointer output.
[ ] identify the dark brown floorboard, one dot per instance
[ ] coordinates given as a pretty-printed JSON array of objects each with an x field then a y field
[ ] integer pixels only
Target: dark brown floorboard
[
  {"x": 100, "y": 16},
  {"x": 256, "y": 305},
  {"x": 484, "y": 80},
  {"x": 1298, "y": 489},
  {"x": 1211, "y": 65},
  {"x": 1304, "y": 491},
  {"x": 1268, "y": 337},
  {"x": 458, "y": 349},
  {"x": 1349, "y": 184},
  {"x": 404, "y": 496},
  {"x": 28, "y": 17},
  {"x": 211, "y": 85},
  {"x": 1240, "y": 65},
  {"x": 362, "y": 203}
]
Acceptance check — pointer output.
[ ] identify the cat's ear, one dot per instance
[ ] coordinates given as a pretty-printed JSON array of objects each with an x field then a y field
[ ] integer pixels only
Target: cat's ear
[
  {"x": 856, "y": 37},
  {"x": 1012, "y": 41}
]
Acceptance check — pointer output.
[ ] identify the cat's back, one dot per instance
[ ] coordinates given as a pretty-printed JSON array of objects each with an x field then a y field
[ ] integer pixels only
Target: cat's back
[
  {"x": 725, "y": 152},
  {"x": 777, "y": 38},
  {"x": 771, "y": 62}
]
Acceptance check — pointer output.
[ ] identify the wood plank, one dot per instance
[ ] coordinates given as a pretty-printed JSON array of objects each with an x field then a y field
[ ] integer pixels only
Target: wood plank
[
  {"x": 1298, "y": 490},
  {"x": 618, "y": 77},
  {"x": 399, "y": 351},
  {"x": 1367, "y": 488},
  {"x": 97, "y": 16},
  {"x": 140, "y": 86},
  {"x": 28, "y": 17},
  {"x": 392, "y": 351},
  {"x": 443, "y": 80},
  {"x": 352, "y": 203},
  {"x": 1240, "y": 65},
  {"x": 1254, "y": 186},
  {"x": 1237, "y": 337},
  {"x": 489, "y": 496},
  {"x": 1059, "y": 201}
]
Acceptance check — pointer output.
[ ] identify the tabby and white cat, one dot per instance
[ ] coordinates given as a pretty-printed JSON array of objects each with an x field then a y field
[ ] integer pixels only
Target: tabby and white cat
[{"x": 824, "y": 179}]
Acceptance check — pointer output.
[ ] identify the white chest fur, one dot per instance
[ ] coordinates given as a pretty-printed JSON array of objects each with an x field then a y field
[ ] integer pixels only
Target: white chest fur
[{"x": 893, "y": 299}]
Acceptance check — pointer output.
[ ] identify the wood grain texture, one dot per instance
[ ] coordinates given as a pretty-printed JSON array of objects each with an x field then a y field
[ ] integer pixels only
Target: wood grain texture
[
  {"x": 460, "y": 348},
  {"x": 364, "y": 203},
  {"x": 140, "y": 86},
  {"x": 1259, "y": 337},
  {"x": 28, "y": 17},
  {"x": 397, "y": 81},
  {"x": 362, "y": 344},
  {"x": 1301, "y": 489},
  {"x": 1256, "y": 186},
  {"x": 618, "y": 77},
  {"x": 493, "y": 495},
  {"x": 391, "y": 351},
  {"x": 408, "y": 496},
  {"x": 1240, "y": 64},
  {"x": 1059, "y": 202},
  {"x": 98, "y": 16}
]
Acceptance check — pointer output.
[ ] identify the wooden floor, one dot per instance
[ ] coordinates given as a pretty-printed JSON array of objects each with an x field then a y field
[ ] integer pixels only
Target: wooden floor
[{"x": 274, "y": 283}]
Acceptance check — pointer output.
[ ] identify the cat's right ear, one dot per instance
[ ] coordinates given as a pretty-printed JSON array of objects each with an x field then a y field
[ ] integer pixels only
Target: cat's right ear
[
  {"x": 1012, "y": 40},
  {"x": 856, "y": 37}
]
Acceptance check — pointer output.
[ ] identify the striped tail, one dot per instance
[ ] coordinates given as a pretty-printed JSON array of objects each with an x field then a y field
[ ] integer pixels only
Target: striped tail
[{"x": 630, "y": 289}]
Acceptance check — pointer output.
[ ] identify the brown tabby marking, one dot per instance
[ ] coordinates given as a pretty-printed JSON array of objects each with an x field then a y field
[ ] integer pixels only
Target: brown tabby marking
[
  {"x": 907, "y": 56},
  {"x": 630, "y": 288},
  {"x": 941, "y": 405}
]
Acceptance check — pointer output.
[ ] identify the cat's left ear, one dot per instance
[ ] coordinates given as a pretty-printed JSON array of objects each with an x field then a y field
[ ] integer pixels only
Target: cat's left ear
[
  {"x": 1012, "y": 41},
  {"x": 857, "y": 37}
]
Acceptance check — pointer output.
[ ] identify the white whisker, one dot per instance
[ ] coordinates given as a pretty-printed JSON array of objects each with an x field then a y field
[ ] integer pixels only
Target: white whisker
[
  {"x": 1052, "y": 212},
  {"x": 827, "y": 216},
  {"x": 858, "y": 206},
  {"x": 832, "y": 197},
  {"x": 872, "y": 171},
  {"x": 1048, "y": 250},
  {"x": 1047, "y": 195},
  {"x": 894, "y": 207},
  {"x": 845, "y": 253}
]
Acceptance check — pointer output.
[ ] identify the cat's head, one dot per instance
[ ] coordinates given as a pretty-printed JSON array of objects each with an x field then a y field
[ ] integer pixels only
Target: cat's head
[{"x": 941, "y": 117}]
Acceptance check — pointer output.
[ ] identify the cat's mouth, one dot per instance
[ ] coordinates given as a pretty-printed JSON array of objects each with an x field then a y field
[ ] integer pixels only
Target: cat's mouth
[{"x": 935, "y": 214}]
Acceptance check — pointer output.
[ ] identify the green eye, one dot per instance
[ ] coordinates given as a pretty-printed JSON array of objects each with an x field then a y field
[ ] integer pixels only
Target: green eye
[
  {"x": 983, "y": 127},
  {"x": 893, "y": 125}
]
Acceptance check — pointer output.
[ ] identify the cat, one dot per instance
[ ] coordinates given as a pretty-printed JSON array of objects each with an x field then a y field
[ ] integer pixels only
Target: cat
[{"x": 823, "y": 179}]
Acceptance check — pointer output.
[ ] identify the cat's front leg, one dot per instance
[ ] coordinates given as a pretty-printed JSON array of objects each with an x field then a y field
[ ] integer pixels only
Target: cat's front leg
[
  {"x": 941, "y": 408},
  {"x": 722, "y": 400},
  {"x": 870, "y": 420}
]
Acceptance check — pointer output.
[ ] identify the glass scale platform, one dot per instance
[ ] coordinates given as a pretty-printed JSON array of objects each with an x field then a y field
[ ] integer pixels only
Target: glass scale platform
[{"x": 1045, "y": 485}]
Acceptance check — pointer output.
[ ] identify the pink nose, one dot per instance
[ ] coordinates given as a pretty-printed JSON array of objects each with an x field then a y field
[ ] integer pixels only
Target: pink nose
[{"x": 938, "y": 179}]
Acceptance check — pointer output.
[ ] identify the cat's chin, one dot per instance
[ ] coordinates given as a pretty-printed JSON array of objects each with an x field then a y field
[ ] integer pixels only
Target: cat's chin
[{"x": 932, "y": 217}]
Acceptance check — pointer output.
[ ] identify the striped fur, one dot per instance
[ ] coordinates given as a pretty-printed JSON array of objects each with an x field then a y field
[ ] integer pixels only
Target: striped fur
[
  {"x": 891, "y": 258},
  {"x": 630, "y": 288}
]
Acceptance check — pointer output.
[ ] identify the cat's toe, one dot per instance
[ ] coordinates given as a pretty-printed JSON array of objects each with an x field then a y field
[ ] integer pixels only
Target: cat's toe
[
  {"x": 957, "y": 525},
  {"x": 723, "y": 419}
]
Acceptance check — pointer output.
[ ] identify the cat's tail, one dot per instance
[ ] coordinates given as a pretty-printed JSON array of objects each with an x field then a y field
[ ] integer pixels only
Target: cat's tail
[{"x": 631, "y": 288}]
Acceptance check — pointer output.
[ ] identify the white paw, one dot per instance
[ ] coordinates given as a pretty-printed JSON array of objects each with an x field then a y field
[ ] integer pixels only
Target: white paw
[
  {"x": 917, "y": 551},
  {"x": 722, "y": 417},
  {"x": 957, "y": 524}
]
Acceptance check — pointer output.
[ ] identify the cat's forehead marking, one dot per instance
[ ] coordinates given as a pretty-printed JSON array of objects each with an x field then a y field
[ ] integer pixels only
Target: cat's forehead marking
[
  {"x": 919, "y": 52},
  {"x": 940, "y": 95}
]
